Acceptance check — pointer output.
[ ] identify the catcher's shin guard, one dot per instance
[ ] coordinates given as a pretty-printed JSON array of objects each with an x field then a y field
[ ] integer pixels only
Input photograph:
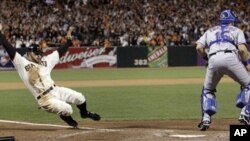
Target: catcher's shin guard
[
  {"x": 243, "y": 97},
  {"x": 208, "y": 102},
  {"x": 208, "y": 108}
]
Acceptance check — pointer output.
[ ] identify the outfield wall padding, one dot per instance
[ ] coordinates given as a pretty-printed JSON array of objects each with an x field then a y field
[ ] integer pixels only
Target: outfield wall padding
[{"x": 182, "y": 56}]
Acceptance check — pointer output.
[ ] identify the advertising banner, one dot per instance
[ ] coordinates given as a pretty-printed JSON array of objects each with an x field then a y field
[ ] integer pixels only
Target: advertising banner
[
  {"x": 84, "y": 57},
  {"x": 158, "y": 57},
  {"x": 87, "y": 57},
  {"x": 5, "y": 62}
]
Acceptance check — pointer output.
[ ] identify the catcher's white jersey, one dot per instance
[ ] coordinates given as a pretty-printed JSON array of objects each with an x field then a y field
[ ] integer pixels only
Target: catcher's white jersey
[
  {"x": 232, "y": 37},
  {"x": 36, "y": 77}
]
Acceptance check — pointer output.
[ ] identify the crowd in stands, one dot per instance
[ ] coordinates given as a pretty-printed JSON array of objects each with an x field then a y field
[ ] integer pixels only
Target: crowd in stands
[{"x": 116, "y": 22}]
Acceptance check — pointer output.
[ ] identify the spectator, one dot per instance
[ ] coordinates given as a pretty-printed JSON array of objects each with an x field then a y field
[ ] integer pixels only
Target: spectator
[
  {"x": 107, "y": 43},
  {"x": 180, "y": 22}
]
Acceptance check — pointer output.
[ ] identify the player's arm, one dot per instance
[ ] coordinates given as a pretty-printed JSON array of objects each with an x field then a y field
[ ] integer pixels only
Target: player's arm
[
  {"x": 244, "y": 55},
  {"x": 201, "y": 51},
  {"x": 8, "y": 47},
  {"x": 200, "y": 46},
  {"x": 62, "y": 50},
  {"x": 243, "y": 52}
]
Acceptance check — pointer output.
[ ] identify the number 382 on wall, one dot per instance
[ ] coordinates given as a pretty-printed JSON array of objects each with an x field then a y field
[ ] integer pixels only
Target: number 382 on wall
[{"x": 140, "y": 62}]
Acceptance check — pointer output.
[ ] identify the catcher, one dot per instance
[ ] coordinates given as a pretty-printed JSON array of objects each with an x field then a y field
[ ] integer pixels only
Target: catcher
[
  {"x": 225, "y": 43},
  {"x": 35, "y": 69}
]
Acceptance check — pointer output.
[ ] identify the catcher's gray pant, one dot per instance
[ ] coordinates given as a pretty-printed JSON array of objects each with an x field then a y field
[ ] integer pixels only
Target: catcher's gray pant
[
  {"x": 221, "y": 64},
  {"x": 56, "y": 101},
  {"x": 225, "y": 63}
]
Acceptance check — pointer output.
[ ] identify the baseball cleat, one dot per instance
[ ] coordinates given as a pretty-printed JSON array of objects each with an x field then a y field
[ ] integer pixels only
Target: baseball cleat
[
  {"x": 204, "y": 125},
  {"x": 69, "y": 120},
  {"x": 91, "y": 115},
  {"x": 244, "y": 119}
]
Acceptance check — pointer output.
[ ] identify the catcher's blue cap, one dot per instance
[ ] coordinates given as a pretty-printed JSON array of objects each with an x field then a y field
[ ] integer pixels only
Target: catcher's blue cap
[{"x": 228, "y": 16}]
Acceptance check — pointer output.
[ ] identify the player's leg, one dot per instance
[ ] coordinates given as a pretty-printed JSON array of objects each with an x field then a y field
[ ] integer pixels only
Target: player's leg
[
  {"x": 240, "y": 75},
  {"x": 63, "y": 109},
  {"x": 208, "y": 98},
  {"x": 74, "y": 97}
]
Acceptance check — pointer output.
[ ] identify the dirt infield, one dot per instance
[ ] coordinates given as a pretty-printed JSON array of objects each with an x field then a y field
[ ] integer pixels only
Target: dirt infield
[
  {"x": 159, "y": 130},
  {"x": 150, "y": 130}
]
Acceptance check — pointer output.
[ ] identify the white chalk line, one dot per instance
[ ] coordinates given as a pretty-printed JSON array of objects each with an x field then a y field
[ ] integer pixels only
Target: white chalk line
[
  {"x": 74, "y": 134},
  {"x": 187, "y": 136},
  {"x": 89, "y": 131},
  {"x": 60, "y": 126},
  {"x": 40, "y": 124}
]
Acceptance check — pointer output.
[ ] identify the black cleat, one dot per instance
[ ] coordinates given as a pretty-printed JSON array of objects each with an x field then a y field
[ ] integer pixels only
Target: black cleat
[
  {"x": 91, "y": 115},
  {"x": 244, "y": 119},
  {"x": 69, "y": 120},
  {"x": 204, "y": 125}
]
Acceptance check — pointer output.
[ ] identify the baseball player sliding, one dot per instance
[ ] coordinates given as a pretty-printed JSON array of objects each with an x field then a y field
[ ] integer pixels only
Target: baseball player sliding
[
  {"x": 35, "y": 69},
  {"x": 227, "y": 55}
]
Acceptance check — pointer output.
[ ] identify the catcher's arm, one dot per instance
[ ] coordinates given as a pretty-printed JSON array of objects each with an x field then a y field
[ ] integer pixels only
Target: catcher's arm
[
  {"x": 8, "y": 47},
  {"x": 243, "y": 52},
  {"x": 201, "y": 51},
  {"x": 244, "y": 55}
]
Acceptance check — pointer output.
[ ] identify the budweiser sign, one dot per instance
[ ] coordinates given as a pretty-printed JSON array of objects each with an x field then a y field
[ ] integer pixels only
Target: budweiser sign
[{"x": 88, "y": 57}]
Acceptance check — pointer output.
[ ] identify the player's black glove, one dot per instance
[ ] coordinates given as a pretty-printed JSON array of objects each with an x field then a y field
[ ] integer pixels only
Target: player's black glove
[
  {"x": 205, "y": 57},
  {"x": 206, "y": 60}
]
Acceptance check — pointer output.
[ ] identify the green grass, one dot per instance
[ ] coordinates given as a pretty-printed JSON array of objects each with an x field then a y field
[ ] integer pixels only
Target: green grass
[
  {"x": 125, "y": 103},
  {"x": 113, "y": 73}
]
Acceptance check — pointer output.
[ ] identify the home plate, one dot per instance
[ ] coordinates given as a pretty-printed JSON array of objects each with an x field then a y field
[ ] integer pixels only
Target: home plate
[{"x": 187, "y": 136}]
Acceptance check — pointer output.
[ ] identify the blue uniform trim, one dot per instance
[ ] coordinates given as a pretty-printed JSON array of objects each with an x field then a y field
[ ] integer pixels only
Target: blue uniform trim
[
  {"x": 245, "y": 63},
  {"x": 221, "y": 40}
]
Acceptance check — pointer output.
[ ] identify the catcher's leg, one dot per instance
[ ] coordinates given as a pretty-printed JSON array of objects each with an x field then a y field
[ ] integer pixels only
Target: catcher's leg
[
  {"x": 208, "y": 108},
  {"x": 208, "y": 100},
  {"x": 243, "y": 101}
]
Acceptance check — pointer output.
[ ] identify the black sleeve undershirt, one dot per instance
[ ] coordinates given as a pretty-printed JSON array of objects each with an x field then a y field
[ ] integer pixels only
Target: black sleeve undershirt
[
  {"x": 62, "y": 50},
  {"x": 8, "y": 47}
]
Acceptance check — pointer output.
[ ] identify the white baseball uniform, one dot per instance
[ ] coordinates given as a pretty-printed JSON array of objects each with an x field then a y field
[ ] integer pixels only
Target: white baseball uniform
[
  {"x": 37, "y": 79},
  {"x": 223, "y": 55}
]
